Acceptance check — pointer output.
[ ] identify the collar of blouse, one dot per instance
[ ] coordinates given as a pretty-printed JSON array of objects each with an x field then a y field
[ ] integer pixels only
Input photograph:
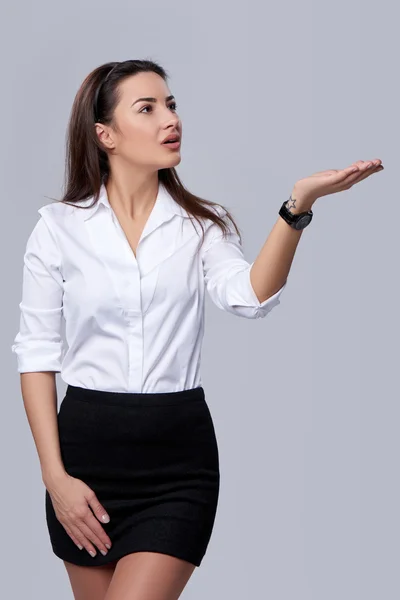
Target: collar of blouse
[
  {"x": 164, "y": 207},
  {"x": 100, "y": 227}
]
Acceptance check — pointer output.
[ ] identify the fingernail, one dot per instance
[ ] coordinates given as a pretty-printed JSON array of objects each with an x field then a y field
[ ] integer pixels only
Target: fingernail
[
  {"x": 103, "y": 552},
  {"x": 105, "y": 519},
  {"x": 92, "y": 553},
  {"x": 107, "y": 546},
  {"x": 80, "y": 547}
]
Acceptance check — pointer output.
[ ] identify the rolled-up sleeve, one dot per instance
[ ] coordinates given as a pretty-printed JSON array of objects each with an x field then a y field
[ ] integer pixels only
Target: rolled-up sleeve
[
  {"x": 227, "y": 276},
  {"x": 38, "y": 344}
]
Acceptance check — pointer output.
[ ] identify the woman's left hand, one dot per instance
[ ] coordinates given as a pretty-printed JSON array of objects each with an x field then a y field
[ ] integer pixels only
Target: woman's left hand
[{"x": 306, "y": 191}]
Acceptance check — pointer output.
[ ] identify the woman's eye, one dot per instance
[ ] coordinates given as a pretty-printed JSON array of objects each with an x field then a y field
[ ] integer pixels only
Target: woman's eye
[{"x": 148, "y": 106}]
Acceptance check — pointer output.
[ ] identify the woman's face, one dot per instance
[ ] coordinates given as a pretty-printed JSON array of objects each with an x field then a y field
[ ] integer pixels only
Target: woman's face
[{"x": 143, "y": 125}]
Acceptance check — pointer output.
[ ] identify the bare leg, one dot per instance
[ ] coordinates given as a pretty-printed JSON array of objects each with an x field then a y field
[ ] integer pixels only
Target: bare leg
[
  {"x": 89, "y": 583},
  {"x": 149, "y": 576}
]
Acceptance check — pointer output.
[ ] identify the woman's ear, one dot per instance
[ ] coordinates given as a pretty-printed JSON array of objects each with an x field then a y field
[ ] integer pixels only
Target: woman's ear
[{"x": 105, "y": 136}]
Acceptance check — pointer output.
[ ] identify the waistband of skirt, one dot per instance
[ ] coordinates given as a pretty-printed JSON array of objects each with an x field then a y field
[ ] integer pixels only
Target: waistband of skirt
[{"x": 134, "y": 398}]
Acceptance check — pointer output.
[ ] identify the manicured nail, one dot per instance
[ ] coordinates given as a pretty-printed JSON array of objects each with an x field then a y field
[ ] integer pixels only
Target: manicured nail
[
  {"x": 104, "y": 552},
  {"x": 105, "y": 519},
  {"x": 92, "y": 553},
  {"x": 107, "y": 546},
  {"x": 80, "y": 547}
]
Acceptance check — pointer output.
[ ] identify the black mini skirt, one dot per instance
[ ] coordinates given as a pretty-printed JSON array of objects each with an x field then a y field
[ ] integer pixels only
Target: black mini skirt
[{"x": 152, "y": 461}]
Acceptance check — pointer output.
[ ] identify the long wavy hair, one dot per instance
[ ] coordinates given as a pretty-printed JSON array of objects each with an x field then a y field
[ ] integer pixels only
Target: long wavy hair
[{"x": 86, "y": 162}]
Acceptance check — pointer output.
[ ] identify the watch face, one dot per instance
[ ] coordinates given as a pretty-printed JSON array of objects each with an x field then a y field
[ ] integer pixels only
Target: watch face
[{"x": 303, "y": 221}]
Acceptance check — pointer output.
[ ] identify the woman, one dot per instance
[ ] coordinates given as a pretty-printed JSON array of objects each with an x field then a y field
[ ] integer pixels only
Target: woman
[{"x": 130, "y": 462}]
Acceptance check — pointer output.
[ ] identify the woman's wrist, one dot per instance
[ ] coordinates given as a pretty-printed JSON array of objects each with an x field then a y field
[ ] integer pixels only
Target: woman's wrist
[
  {"x": 52, "y": 476},
  {"x": 299, "y": 202}
]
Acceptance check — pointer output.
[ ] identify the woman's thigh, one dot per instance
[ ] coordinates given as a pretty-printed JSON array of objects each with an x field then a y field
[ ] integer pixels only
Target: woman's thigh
[
  {"x": 90, "y": 583},
  {"x": 149, "y": 576}
]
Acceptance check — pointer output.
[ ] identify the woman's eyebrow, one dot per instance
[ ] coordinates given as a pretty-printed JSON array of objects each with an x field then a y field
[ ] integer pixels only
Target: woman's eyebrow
[{"x": 150, "y": 99}]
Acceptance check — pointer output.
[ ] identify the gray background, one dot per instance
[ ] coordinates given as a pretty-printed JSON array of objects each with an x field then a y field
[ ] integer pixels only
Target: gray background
[{"x": 305, "y": 401}]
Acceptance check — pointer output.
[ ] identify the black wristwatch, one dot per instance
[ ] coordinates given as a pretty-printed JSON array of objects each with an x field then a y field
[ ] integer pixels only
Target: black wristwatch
[{"x": 298, "y": 221}]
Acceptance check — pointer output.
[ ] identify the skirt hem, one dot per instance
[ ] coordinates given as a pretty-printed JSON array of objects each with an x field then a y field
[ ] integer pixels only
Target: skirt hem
[{"x": 100, "y": 560}]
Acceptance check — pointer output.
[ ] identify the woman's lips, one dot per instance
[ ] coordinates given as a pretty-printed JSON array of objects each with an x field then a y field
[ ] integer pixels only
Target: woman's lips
[{"x": 172, "y": 145}]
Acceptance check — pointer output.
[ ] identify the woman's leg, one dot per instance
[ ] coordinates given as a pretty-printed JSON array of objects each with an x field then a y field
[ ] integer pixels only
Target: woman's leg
[
  {"x": 90, "y": 583},
  {"x": 149, "y": 576}
]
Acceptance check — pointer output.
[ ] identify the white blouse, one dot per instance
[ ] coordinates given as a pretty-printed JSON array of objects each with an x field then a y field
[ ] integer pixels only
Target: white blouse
[{"x": 132, "y": 324}]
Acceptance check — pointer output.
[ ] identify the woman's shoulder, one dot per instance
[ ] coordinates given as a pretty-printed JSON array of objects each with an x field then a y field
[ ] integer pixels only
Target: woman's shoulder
[
  {"x": 56, "y": 209},
  {"x": 57, "y": 218}
]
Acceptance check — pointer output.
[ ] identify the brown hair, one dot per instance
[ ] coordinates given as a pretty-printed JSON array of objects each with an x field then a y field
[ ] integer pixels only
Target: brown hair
[{"x": 87, "y": 165}]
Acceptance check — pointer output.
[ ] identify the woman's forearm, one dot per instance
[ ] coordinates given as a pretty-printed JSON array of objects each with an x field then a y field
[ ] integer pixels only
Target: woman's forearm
[
  {"x": 272, "y": 265},
  {"x": 39, "y": 394}
]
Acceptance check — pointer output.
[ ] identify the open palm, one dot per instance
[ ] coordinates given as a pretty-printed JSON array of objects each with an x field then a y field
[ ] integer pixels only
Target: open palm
[{"x": 332, "y": 181}]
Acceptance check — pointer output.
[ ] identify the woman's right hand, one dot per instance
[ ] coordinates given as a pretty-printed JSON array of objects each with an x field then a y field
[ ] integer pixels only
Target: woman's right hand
[{"x": 73, "y": 500}]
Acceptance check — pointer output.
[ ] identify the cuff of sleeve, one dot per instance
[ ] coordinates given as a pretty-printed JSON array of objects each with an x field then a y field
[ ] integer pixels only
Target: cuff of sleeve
[{"x": 33, "y": 358}]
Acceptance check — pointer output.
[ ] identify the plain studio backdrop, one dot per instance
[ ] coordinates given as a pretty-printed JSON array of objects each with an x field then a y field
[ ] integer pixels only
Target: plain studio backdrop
[{"x": 268, "y": 93}]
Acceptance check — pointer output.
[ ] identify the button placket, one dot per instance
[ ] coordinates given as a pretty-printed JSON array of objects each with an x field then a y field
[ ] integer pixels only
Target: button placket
[
  {"x": 131, "y": 296},
  {"x": 135, "y": 349}
]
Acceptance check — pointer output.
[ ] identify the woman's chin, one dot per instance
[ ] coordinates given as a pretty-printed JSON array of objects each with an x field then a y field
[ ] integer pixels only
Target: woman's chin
[{"x": 174, "y": 160}]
